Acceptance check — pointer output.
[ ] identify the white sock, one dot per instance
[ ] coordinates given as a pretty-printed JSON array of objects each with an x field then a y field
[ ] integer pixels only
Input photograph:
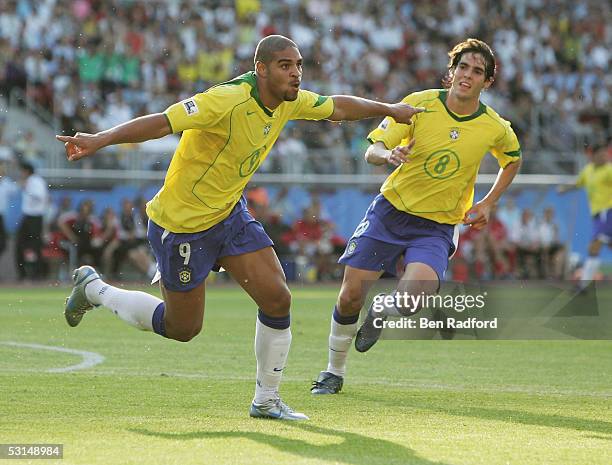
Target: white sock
[
  {"x": 591, "y": 265},
  {"x": 152, "y": 270},
  {"x": 271, "y": 350},
  {"x": 340, "y": 338},
  {"x": 134, "y": 307}
]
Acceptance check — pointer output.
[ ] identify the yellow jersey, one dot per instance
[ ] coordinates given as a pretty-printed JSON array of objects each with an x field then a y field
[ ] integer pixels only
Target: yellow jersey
[
  {"x": 437, "y": 182},
  {"x": 227, "y": 134},
  {"x": 597, "y": 181}
]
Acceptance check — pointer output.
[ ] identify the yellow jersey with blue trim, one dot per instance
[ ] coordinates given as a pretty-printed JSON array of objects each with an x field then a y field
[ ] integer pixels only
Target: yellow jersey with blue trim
[
  {"x": 597, "y": 181},
  {"x": 227, "y": 133},
  {"x": 437, "y": 182}
]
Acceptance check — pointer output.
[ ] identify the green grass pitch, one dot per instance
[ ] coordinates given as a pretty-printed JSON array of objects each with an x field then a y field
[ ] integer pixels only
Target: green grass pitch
[{"x": 153, "y": 401}]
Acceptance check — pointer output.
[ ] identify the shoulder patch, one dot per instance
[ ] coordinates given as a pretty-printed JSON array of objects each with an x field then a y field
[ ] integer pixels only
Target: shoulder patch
[
  {"x": 384, "y": 124},
  {"x": 191, "y": 108}
]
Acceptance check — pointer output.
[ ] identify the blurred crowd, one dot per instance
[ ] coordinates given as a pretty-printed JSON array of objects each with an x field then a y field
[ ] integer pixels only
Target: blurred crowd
[
  {"x": 96, "y": 63},
  {"x": 515, "y": 244},
  {"x": 54, "y": 237}
]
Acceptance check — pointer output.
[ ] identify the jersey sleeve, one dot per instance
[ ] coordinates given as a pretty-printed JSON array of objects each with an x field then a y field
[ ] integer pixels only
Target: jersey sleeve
[
  {"x": 312, "y": 106},
  {"x": 391, "y": 133},
  {"x": 201, "y": 111},
  {"x": 507, "y": 148}
]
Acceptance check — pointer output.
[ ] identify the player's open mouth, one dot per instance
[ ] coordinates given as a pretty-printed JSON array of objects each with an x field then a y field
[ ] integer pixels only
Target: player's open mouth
[
  {"x": 295, "y": 85},
  {"x": 465, "y": 85}
]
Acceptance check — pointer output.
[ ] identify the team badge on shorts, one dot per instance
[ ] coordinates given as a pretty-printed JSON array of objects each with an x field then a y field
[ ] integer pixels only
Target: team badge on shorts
[
  {"x": 185, "y": 275},
  {"x": 454, "y": 134},
  {"x": 351, "y": 247}
]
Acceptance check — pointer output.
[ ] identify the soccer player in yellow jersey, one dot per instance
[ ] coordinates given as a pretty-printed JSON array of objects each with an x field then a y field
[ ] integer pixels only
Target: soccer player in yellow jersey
[
  {"x": 596, "y": 179},
  {"x": 199, "y": 220},
  {"x": 430, "y": 192}
]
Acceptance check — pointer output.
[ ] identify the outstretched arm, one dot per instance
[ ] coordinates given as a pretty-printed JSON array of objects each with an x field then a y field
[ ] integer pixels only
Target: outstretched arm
[
  {"x": 478, "y": 215},
  {"x": 349, "y": 108},
  {"x": 137, "y": 130}
]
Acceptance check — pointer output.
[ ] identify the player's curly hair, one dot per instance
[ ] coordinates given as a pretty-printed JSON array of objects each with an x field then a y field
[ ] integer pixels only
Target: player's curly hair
[{"x": 470, "y": 46}]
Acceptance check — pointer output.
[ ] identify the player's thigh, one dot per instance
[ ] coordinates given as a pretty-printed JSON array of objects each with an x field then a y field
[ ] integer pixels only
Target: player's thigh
[
  {"x": 260, "y": 274},
  {"x": 419, "y": 278},
  {"x": 356, "y": 284},
  {"x": 184, "y": 311}
]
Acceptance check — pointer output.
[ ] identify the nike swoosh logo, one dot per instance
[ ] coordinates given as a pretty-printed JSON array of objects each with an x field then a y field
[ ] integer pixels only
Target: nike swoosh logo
[
  {"x": 249, "y": 113},
  {"x": 278, "y": 369}
]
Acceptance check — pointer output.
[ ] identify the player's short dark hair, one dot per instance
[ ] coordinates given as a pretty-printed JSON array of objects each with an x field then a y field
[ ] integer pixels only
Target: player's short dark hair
[
  {"x": 470, "y": 46},
  {"x": 271, "y": 44}
]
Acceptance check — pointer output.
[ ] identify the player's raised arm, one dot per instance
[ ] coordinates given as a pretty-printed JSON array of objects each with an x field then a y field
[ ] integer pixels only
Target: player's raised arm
[
  {"x": 137, "y": 130},
  {"x": 349, "y": 108}
]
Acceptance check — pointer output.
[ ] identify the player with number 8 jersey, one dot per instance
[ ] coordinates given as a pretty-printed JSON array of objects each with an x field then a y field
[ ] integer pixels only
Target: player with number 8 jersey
[
  {"x": 412, "y": 225},
  {"x": 437, "y": 182}
]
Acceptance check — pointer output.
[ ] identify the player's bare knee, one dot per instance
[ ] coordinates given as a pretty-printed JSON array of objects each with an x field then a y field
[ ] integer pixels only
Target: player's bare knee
[
  {"x": 350, "y": 300},
  {"x": 279, "y": 305},
  {"x": 594, "y": 248},
  {"x": 184, "y": 333}
]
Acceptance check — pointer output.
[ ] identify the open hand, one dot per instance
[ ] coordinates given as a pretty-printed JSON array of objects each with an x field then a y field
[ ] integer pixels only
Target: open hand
[
  {"x": 478, "y": 215},
  {"x": 399, "y": 154}
]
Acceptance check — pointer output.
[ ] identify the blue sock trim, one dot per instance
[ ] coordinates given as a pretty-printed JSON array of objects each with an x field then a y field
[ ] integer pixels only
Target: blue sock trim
[
  {"x": 344, "y": 320},
  {"x": 282, "y": 322},
  {"x": 159, "y": 325}
]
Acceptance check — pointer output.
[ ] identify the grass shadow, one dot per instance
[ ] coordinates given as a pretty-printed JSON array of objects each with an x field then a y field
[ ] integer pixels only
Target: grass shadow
[
  {"x": 497, "y": 414},
  {"x": 353, "y": 449}
]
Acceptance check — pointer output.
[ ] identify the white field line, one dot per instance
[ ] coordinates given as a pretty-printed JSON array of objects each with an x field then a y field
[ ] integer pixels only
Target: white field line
[{"x": 90, "y": 359}]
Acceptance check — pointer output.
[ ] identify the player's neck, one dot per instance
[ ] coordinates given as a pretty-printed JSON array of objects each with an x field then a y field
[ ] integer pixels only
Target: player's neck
[
  {"x": 461, "y": 106},
  {"x": 266, "y": 97}
]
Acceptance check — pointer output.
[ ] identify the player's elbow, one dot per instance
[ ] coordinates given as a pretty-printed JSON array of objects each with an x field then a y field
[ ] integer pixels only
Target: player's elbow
[
  {"x": 515, "y": 165},
  {"x": 369, "y": 158}
]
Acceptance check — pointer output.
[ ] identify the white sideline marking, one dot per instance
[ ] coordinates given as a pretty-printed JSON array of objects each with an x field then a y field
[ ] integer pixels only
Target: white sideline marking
[{"x": 90, "y": 359}]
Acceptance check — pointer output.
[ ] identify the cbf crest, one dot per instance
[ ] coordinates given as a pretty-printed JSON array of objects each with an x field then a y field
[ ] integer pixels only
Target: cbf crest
[
  {"x": 184, "y": 275},
  {"x": 454, "y": 133},
  {"x": 267, "y": 128},
  {"x": 350, "y": 249}
]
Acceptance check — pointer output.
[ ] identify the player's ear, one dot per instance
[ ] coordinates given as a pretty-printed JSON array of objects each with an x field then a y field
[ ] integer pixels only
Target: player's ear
[
  {"x": 488, "y": 83},
  {"x": 261, "y": 69}
]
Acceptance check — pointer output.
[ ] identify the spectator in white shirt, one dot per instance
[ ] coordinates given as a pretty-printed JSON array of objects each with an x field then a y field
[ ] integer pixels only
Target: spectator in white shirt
[
  {"x": 527, "y": 246},
  {"x": 34, "y": 204},
  {"x": 552, "y": 250}
]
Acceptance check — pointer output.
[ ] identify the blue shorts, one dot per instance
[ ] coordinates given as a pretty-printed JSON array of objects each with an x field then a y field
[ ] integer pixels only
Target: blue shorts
[
  {"x": 602, "y": 226},
  {"x": 184, "y": 260},
  {"x": 385, "y": 234}
]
